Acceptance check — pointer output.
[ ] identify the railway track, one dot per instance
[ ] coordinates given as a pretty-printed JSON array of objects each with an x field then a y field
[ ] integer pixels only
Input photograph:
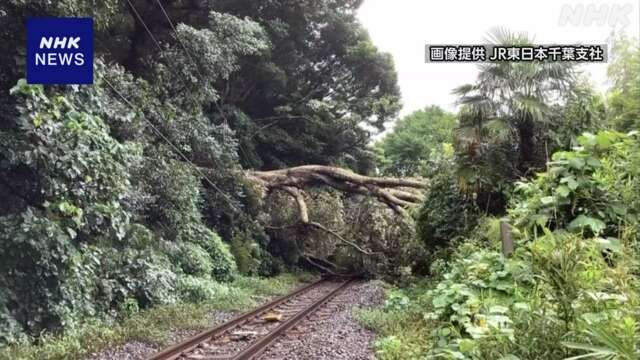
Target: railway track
[{"x": 249, "y": 335}]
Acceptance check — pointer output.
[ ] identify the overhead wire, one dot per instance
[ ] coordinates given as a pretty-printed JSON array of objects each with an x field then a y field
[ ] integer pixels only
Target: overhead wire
[
  {"x": 196, "y": 67},
  {"x": 173, "y": 146},
  {"x": 135, "y": 11}
]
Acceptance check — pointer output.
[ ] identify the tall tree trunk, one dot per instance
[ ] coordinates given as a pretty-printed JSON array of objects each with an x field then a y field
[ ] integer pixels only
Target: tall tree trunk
[{"x": 526, "y": 146}]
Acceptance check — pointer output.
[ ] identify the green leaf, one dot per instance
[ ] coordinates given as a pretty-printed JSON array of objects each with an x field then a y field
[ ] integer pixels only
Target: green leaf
[
  {"x": 594, "y": 351},
  {"x": 593, "y": 162},
  {"x": 577, "y": 163},
  {"x": 466, "y": 345},
  {"x": 563, "y": 191},
  {"x": 498, "y": 309},
  {"x": 540, "y": 219},
  {"x": 570, "y": 181},
  {"x": 522, "y": 306},
  {"x": 610, "y": 243},
  {"x": 547, "y": 200},
  {"x": 605, "y": 139},
  {"x": 582, "y": 221},
  {"x": 440, "y": 301}
]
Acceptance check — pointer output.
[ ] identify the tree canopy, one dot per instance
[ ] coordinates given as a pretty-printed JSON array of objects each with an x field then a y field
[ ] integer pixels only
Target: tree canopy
[
  {"x": 137, "y": 189},
  {"x": 235, "y": 138},
  {"x": 623, "y": 71},
  {"x": 406, "y": 149}
]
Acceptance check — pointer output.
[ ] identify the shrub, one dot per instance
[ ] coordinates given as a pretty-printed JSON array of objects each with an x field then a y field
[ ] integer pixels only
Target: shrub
[
  {"x": 174, "y": 190},
  {"x": 224, "y": 265},
  {"x": 194, "y": 260},
  {"x": 246, "y": 252},
  {"x": 129, "y": 307},
  {"x": 446, "y": 214},
  {"x": 558, "y": 292},
  {"x": 585, "y": 190},
  {"x": 35, "y": 255},
  {"x": 140, "y": 237},
  {"x": 195, "y": 289},
  {"x": 77, "y": 178},
  {"x": 144, "y": 275},
  {"x": 11, "y": 331}
]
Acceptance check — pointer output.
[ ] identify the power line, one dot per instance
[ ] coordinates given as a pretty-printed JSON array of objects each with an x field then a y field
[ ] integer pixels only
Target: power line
[
  {"x": 175, "y": 148},
  {"x": 144, "y": 24},
  {"x": 195, "y": 64},
  {"x": 166, "y": 15}
]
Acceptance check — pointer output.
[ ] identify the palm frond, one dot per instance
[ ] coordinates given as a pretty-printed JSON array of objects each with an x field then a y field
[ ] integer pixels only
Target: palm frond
[
  {"x": 504, "y": 36},
  {"x": 464, "y": 89},
  {"x": 530, "y": 106},
  {"x": 594, "y": 352},
  {"x": 497, "y": 129}
]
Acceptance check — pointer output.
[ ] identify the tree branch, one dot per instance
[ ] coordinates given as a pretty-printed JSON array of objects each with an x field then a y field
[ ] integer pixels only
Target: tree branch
[
  {"x": 395, "y": 192},
  {"x": 302, "y": 205},
  {"x": 321, "y": 267},
  {"x": 339, "y": 237},
  {"x": 303, "y": 213}
]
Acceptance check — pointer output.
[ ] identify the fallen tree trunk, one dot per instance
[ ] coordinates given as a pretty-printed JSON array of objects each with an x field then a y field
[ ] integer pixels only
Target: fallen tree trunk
[{"x": 397, "y": 193}]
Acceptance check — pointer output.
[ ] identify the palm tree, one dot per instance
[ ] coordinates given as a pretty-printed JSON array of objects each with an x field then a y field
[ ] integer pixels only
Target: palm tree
[{"x": 512, "y": 98}]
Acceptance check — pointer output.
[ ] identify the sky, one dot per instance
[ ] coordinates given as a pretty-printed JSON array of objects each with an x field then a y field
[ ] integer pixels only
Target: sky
[{"x": 404, "y": 27}]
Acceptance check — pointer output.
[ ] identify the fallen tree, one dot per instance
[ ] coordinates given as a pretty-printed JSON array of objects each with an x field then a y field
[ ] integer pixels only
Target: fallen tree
[{"x": 397, "y": 193}]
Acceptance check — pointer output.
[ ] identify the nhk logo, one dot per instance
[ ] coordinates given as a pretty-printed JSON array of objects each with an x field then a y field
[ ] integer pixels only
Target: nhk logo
[
  {"x": 52, "y": 58},
  {"x": 60, "y": 51}
]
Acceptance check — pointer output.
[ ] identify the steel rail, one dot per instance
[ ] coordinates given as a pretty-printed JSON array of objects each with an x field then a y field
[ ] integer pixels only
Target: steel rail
[
  {"x": 259, "y": 346},
  {"x": 191, "y": 343}
]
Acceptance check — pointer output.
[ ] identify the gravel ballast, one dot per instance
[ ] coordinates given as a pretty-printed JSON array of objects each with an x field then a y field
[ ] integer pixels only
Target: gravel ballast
[
  {"x": 136, "y": 350},
  {"x": 334, "y": 333}
]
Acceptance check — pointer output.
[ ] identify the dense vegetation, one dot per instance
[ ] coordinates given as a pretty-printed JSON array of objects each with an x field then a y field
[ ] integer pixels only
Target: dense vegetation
[
  {"x": 176, "y": 179},
  {"x": 130, "y": 193},
  {"x": 154, "y": 325},
  {"x": 534, "y": 147}
]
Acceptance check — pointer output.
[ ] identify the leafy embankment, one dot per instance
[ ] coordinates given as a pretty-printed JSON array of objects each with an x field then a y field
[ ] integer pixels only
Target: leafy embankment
[
  {"x": 154, "y": 325},
  {"x": 571, "y": 287},
  {"x": 536, "y": 147},
  {"x": 131, "y": 192}
]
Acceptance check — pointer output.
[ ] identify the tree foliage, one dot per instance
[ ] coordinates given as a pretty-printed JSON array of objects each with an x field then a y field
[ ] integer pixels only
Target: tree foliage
[
  {"x": 135, "y": 190},
  {"x": 447, "y": 212},
  {"x": 567, "y": 290},
  {"x": 503, "y": 119},
  {"x": 406, "y": 149},
  {"x": 624, "y": 95}
]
